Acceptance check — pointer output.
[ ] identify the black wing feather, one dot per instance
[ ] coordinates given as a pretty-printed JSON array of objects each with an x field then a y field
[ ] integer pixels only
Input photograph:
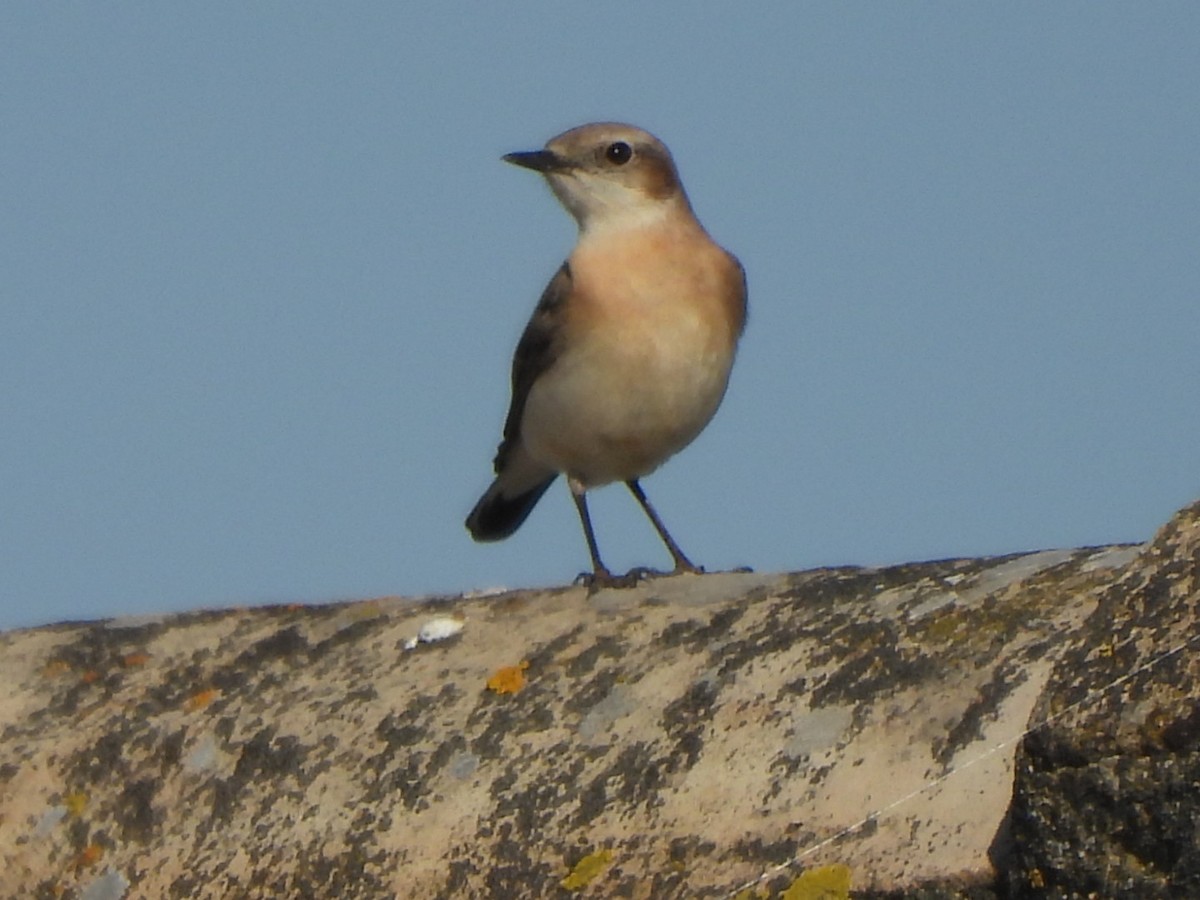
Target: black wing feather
[{"x": 536, "y": 352}]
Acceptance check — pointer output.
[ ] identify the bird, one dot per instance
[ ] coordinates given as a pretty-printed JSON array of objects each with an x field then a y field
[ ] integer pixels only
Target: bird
[{"x": 629, "y": 350}]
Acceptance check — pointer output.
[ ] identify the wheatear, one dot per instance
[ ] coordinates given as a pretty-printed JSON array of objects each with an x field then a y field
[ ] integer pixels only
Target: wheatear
[{"x": 628, "y": 352}]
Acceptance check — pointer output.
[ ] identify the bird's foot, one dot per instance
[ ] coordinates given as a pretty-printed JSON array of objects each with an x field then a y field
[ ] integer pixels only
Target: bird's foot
[
  {"x": 595, "y": 581},
  {"x": 601, "y": 579},
  {"x": 638, "y": 574}
]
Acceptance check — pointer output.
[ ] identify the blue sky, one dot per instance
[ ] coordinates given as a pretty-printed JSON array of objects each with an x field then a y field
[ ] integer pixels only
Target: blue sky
[{"x": 262, "y": 271}]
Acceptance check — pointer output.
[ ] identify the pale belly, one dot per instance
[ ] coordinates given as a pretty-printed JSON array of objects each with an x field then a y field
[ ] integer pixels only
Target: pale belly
[{"x": 617, "y": 408}]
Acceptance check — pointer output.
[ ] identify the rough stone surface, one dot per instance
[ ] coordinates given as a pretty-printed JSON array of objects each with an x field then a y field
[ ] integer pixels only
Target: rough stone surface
[
  {"x": 697, "y": 736},
  {"x": 1107, "y": 794}
]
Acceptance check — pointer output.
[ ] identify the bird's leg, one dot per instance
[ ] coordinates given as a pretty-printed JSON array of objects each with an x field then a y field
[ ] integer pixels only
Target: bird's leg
[
  {"x": 600, "y": 576},
  {"x": 682, "y": 563}
]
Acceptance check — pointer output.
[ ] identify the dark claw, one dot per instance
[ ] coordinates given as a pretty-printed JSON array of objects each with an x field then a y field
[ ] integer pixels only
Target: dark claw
[
  {"x": 595, "y": 581},
  {"x": 639, "y": 573}
]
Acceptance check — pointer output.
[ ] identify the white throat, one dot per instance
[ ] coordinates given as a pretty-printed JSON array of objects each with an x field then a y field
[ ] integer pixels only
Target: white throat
[{"x": 601, "y": 205}]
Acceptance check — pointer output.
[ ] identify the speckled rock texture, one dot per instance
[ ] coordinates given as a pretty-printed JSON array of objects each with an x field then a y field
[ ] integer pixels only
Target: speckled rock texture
[
  {"x": 700, "y": 736},
  {"x": 1107, "y": 794}
]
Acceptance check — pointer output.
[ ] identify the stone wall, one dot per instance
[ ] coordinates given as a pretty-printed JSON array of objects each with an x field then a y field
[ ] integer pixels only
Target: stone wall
[{"x": 1022, "y": 724}]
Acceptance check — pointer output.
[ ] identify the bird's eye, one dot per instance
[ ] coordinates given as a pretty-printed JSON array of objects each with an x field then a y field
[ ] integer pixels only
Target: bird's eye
[{"x": 618, "y": 153}]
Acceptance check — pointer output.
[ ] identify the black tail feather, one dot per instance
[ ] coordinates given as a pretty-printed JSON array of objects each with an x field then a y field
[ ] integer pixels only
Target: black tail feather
[{"x": 496, "y": 516}]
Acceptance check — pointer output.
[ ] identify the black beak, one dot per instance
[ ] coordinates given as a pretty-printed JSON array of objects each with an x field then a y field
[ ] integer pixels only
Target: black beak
[{"x": 538, "y": 160}]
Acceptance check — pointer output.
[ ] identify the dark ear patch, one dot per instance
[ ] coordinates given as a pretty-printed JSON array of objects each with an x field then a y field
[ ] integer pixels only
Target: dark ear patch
[{"x": 661, "y": 180}]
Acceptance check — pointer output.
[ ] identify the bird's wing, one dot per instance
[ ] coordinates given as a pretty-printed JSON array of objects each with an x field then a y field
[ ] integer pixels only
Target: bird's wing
[{"x": 536, "y": 351}]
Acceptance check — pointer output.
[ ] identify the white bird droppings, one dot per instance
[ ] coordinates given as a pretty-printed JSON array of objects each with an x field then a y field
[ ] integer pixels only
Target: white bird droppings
[{"x": 437, "y": 629}]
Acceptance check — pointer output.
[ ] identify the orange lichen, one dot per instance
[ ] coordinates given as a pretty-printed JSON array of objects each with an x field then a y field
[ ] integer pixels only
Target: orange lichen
[
  {"x": 89, "y": 856},
  {"x": 587, "y": 870},
  {"x": 201, "y": 699},
  {"x": 90, "y": 676},
  {"x": 508, "y": 679},
  {"x": 129, "y": 660}
]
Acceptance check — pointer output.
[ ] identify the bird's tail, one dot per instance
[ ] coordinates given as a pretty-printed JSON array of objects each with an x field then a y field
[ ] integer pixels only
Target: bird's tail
[{"x": 499, "y": 513}]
